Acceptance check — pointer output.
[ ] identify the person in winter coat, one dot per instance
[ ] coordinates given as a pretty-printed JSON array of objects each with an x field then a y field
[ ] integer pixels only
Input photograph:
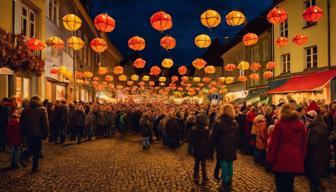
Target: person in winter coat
[
  {"x": 34, "y": 126},
  {"x": 261, "y": 140},
  {"x": 90, "y": 120},
  {"x": 78, "y": 119},
  {"x": 61, "y": 118},
  {"x": 225, "y": 137},
  {"x": 200, "y": 142},
  {"x": 286, "y": 150},
  {"x": 14, "y": 138},
  {"x": 146, "y": 130},
  {"x": 5, "y": 111},
  {"x": 316, "y": 161},
  {"x": 172, "y": 131},
  {"x": 50, "y": 109},
  {"x": 190, "y": 123}
]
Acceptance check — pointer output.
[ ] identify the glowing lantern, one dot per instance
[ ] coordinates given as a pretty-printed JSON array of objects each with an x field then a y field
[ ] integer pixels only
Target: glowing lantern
[
  {"x": 119, "y": 87},
  {"x": 137, "y": 43},
  {"x": 94, "y": 83},
  {"x": 88, "y": 74},
  {"x": 243, "y": 65},
  {"x": 313, "y": 14},
  {"x": 271, "y": 65},
  {"x": 162, "y": 79},
  {"x": 95, "y": 79},
  {"x": 182, "y": 70},
  {"x": 255, "y": 66},
  {"x": 254, "y": 76},
  {"x": 206, "y": 79},
  {"x": 282, "y": 41},
  {"x": 141, "y": 83},
  {"x": 268, "y": 74},
  {"x": 185, "y": 78},
  {"x": 55, "y": 42},
  {"x": 235, "y": 18},
  {"x": 135, "y": 77},
  {"x": 155, "y": 70},
  {"x": 102, "y": 70},
  {"x": 250, "y": 39},
  {"x": 230, "y": 67},
  {"x": 210, "y": 69},
  {"x": 98, "y": 45},
  {"x": 53, "y": 70},
  {"x": 174, "y": 78},
  {"x": 199, "y": 63},
  {"x": 242, "y": 78},
  {"x": 35, "y": 44},
  {"x": 108, "y": 78},
  {"x": 122, "y": 78},
  {"x": 168, "y": 42},
  {"x": 129, "y": 83},
  {"x": 139, "y": 63},
  {"x": 221, "y": 79},
  {"x": 75, "y": 43},
  {"x": 145, "y": 78},
  {"x": 62, "y": 70},
  {"x": 71, "y": 22},
  {"x": 68, "y": 74},
  {"x": 167, "y": 63},
  {"x": 196, "y": 79},
  {"x": 118, "y": 70},
  {"x": 161, "y": 21},
  {"x": 202, "y": 41},
  {"x": 151, "y": 83},
  {"x": 229, "y": 80},
  {"x": 79, "y": 75},
  {"x": 300, "y": 39},
  {"x": 213, "y": 83},
  {"x": 111, "y": 86},
  {"x": 103, "y": 22},
  {"x": 277, "y": 15},
  {"x": 210, "y": 18}
]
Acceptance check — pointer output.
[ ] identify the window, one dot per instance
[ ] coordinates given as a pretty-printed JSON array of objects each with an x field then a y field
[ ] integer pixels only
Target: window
[
  {"x": 265, "y": 50},
  {"x": 285, "y": 62},
  {"x": 309, "y": 3},
  {"x": 53, "y": 11},
  {"x": 311, "y": 57},
  {"x": 28, "y": 22},
  {"x": 23, "y": 87},
  {"x": 255, "y": 54},
  {"x": 284, "y": 28}
]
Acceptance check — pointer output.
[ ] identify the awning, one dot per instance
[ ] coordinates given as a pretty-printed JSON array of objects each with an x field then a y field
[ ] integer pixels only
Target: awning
[{"x": 305, "y": 83}]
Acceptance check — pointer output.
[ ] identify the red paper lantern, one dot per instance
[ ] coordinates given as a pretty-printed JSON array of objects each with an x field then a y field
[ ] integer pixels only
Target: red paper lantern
[
  {"x": 108, "y": 78},
  {"x": 300, "y": 39},
  {"x": 35, "y": 44},
  {"x": 268, "y": 74},
  {"x": 282, "y": 41},
  {"x": 53, "y": 71},
  {"x": 313, "y": 14},
  {"x": 118, "y": 70},
  {"x": 182, "y": 70},
  {"x": 230, "y": 67},
  {"x": 168, "y": 42},
  {"x": 271, "y": 65},
  {"x": 254, "y": 76},
  {"x": 104, "y": 22},
  {"x": 185, "y": 78},
  {"x": 242, "y": 78},
  {"x": 174, "y": 78},
  {"x": 99, "y": 45},
  {"x": 206, "y": 79},
  {"x": 250, "y": 39},
  {"x": 151, "y": 83},
  {"x": 255, "y": 66},
  {"x": 161, "y": 21},
  {"x": 199, "y": 63},
  {"x": 139, "y": 63},
  {"x": 137, "y": 43},
  {"x": 155, "y": 70},
  {"x": 277, "y": 16}
]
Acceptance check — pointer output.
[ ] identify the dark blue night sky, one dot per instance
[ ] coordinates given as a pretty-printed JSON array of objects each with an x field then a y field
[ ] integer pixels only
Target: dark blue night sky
[{"x": 132, "y": 18}]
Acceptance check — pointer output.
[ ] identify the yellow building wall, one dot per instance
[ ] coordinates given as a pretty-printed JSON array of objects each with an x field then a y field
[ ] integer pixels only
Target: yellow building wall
[
  {"x": 231, "y": 56},
  {"x": 317, "y": 35},
  {"x": 6, "y": 15},
  {"x": 333, "y": 32}
]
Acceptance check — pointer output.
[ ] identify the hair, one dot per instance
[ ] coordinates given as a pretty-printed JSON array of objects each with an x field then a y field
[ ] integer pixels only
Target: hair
[
  {"x": 259, "y": 118},
  {"x": 286, "y": 112},
  {"x": 228, "y": 110}
]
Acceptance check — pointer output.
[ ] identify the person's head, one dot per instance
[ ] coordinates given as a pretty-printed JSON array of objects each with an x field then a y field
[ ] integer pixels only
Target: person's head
[
  {"x": 202, "y": 120},
  {"x": 287, "y": 112},
  {"x": 35, "y": 101},
  {"x": 228, "y": 110},
  {"x": 25, "y": 103},
  {"x": 310, "y": 116},
  {"x": 45, "y": 102},
  {"x": 259, "y": 120}
]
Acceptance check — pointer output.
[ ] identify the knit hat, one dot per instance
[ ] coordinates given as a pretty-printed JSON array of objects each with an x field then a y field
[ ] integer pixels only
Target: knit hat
[{"x": 311, "y": 115}]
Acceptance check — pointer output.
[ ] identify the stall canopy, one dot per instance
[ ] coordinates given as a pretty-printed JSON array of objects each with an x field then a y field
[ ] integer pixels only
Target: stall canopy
[{"x": 304, "y": 83}]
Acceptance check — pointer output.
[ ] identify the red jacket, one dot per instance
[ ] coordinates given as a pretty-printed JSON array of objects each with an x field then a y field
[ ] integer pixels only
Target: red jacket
[
  {"x": 287, "y": 146},
  {"x": 13, "y": 133}
]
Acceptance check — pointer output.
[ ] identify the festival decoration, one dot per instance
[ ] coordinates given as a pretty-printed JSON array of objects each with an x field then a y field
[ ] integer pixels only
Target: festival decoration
[
  {"x": 235, "y": 18},
  {"x": 129, "y": 83},
  {"x": 242, "y": 78},
  {"x": 271, "y": 65},
  {"x": 68, "y": 75},
  {"x": 135, "y": 77},
  {"x": 54, "y": 70},
  {"x": 137, "y": 43},
  {"x": 145, "y": 78},
  {"x": 55, "y": 42},
  {"x": 206, "y": 79},
  {"x": 254, "y": 76},
  {"x": 62, "y": 70},
  {"x": 88, "y": 74},
  {"x": 300, "y": 39},
  {"x": 182, "y": 70},
  {"x": 167, "y": 63},
  {"x": 98, "y": 45},
  {"x": 75, "y": 43},
  {"x": 196, "y": 79},
  {"x": 118, "y": 70},
  {"x": 95, "y": 78},
  {"x": 250, "y": 39},
  {"x": 108, "y": 78},
  {"x": 155, "y": 70},
  {"x": 78, "y": 74},
  {"x": 268, "y": 74},
  {"x": 199, "y": 63},
  {"x": 202, "y": 41},
  {"x": 151, "y": 83},
  {"x": 71, "y": 22},
  {"x": 210, "y": 18},
  {"x": 282, "y": 41},
  {"x": 255, "y": 66},
  {"x": 103, "y": 22},
  {"x": 230, "y": 67},
  {"x": 277, "y": 15},
  {"x": 313, "y": 14},
  {"x": 243, "y": 65},
  {"x": 161, "y": 21},
  {"x": 174, "y": 78},
  {"x": 185, "y": 78},
  {"x": 221, "y": 79},
  {"x": 35, "y": 44},
  {"x": 210, "y": 69},
  {"x": 229, "y": 80},
  {"x": 168, "y": 42},
  {"x": 162, "y": 79},
  {"x": 122, "y": 77},
  {"x": 139, "y": 63}
]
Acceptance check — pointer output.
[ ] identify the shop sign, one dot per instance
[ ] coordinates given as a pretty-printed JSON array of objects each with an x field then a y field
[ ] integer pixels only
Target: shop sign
[{"x": 60, "y": 92}]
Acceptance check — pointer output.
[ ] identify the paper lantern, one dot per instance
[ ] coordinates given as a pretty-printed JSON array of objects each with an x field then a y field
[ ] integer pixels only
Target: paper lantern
[
  {"x": 122, "y": 78},
  {"x": 210, "y": 18},
  {"x": 118, "y": 70},
  {"x": 68, "y": 74},
  {"x": 135, "y": 77},
  {"x": 202, "y": 41},
  {"x": 277, "y": 15},
  {"x": 255, "y": 66},
  {"x": 108, "y": 78},
  {"x": 229, "y": 80},
  {"x": 79, "y": 75},
  {"x": 268, "y": 74},
  {"x": 94, "y": 83},
  {"x": 313, "y": 14},
  {"x": 242, "y": 78},
  {"x": 111, "y": 86},
  {"x": 71, "y": 22},
  {"x": 55, "y": 42},
  {"x": 206, "y": 79},
  {"x": 145, "y": 78},
  {"x": 35, "y": 44},
  {"x": 282, "y": 41},
  {"x": 98, "y": 45},
  {"x": 167, "y": 63},
  {"x": 139, "y": 63},
  {"x": 182, "y": 70},
  {"x": 250, "y": 39},
  {"x": 103, "y": 22},
  {"x": 54, "y": 70},
  {"x": 254, "y": 76},
  {"x": 199, "y": 63},
  {"x": 168, "y": 42},
  {"x": 120, "y": 86},
  {"x": 88, "y": 74},
  {"x": 196, "y": 79},
  {"x": 184, "y": 78},
  {"x": 161, "y": 21},
  {"x": 213, "y": 83},
  {"x": 230, "y": 67},
  {"x": 80, "y": 81},
  {"x": 155, "y": 70},
  {"x": 271, "y": 65},
  {"x": 221, "y": 79},
  {"x": 137, "y": 43},
  {"x": 201, "y": 84},
  {"x": 129, "y": 83},
  {"x": 235, "y": 18},
  {"x": 300, "y": 39},
  {"x": 243, "y": 65},
  {"x": 151, "y": 83},
  {"x": 174, "y": 78},
  {"x": 162, "y": 79},
  {"x": 210, "y": 69},
  {"x": 102, "y": 70},
  {"x": 96, "y": 79},
  {"x": 75, "y": 43},
  {"x": 62, "y": 70}
]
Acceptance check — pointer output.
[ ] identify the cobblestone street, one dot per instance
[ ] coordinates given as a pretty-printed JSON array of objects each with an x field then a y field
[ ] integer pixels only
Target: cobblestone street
[{"x": 121, "y": 165}]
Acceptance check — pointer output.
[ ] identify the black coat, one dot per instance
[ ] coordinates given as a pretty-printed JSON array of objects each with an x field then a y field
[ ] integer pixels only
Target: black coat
[
  {"x": 61, "y": 115},
  {"x": 317, "y": 156},
  {"x": 225, "y": 138},
  {"x": 78, "y": 118},
  {"x": 146, "y": 130},
  {"x": 172, "y": 128},
  {"x": 200, "y": 142}
]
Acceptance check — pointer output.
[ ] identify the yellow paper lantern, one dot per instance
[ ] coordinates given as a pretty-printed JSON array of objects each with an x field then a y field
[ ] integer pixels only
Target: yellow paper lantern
[
  {"x": 88, "y": 74},
  {"x": 235, "y": 18},
  {"x": 62, "y": 70},
  {"x": 210, "y": 69},
  {"x": 243, "y": 65},
  {"x": 122, "y": 78},
  {"x": 71, "y": 22},
  {"x": 118, "y": 70},
  {"x": 229, "y": 80},
  {"x": 221, "y": 79},
  {"x": 102, "y": 70},
  {"x": 68, "y": 74},
  {"x": 202, "y": 41},
  {"x": 145, "y": 78},
  {"x": 167, "y": 63},
  {"x": 75, "y": 43},
  {"x": 210, "y": 18},
  {"x": 135, "y": 77},
  {"x": 162, "y": 79},
  {"x": 197, "y": 79}
]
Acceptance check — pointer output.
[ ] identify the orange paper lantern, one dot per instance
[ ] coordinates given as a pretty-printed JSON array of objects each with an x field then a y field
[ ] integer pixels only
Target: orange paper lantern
[
  {"x": 137, "y": 43},
  {"x": 254, "y": 76},
  {"x": 300, "y": 39},
  {"x": 268, "y": 74},
  {"x": 255, "y": 66},
  {"x": 199, "y": 63},
  {"x": 250, "y": 39},
  {"x": 313, "y": 14},
  {"x": 102, "y": 70},
  {"x": 210, "y": 69},
  {"x": 277, "y": 15},
  {"x": 161, "y": 21},
  {"x": 282, "y": 41},
  {"x": 139, "y": 63},
  {"x": 206, "y": 79},
  {"x": 174, "y": 78},
  {"x": 103, "y": 22},
  {"x": 155, "y": 70},
  {"x": 35, "y": 44},
  {"x": 185, "y": 78},
  {"x": 108, "y": 78},
  {"x": 98, "y": 45},
  {"x": 271, "y": 65},
  {"x": 242, "y": 78},
  {"x": 182, "y": 70},
  {"x": 230, "y": 67},
  {"x": 55, "y": 42},
  {"x": 118, "y": 70},
  {"x": 168, "y": 42}
]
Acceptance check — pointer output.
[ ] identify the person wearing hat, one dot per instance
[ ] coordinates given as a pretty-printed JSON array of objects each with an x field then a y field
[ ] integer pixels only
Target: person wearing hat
[{"x": 316, "y": 161}]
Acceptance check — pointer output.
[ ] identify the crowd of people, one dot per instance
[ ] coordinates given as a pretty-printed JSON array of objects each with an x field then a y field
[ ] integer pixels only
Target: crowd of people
[{"x": 288, "y": 139}]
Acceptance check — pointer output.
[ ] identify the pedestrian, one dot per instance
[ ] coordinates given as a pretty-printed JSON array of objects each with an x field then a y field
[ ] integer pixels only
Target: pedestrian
[
  {"x": 225, "y": 137},
  {"x": 200, "y": 142},
  {"x": 5, "y": 111},
  {"x": 190, "y": 123},
  {"x": 61, "y": 118},
  {"x": 79, "y": 122},
  {"x": 34, "y": 127},
  {"x": 14, "y": 138},
  {"x": 90, "y": 120},
  {"x": 286, "y": 149},
  {"x": 261, "y": 140},
  {"x": 317, "y": 159},
  {"x": 50, "y": 109},
  {"x": 146, "y": 130}
]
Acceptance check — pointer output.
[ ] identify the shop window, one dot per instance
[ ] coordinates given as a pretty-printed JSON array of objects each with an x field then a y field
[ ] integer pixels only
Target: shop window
[
  {"x": 311, "y": 57},
  {"x": 255, "y": 54},
  {"x": 285, "y": 61},
  {"x": 309, "y": 3},
  {"x": 23, "y": 87},
  {"x": 28, "y": 22},
  {"x": 18, "y": 91},
  {"x": 284, "y": 29},
  {"x": 48, "y": 92}
]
